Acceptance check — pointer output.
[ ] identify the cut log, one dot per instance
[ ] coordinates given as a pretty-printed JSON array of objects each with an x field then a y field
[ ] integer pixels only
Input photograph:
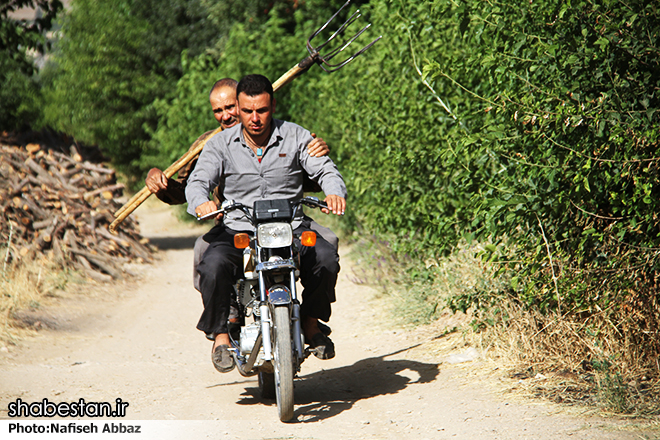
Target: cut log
[
  {"x": 110, "y": 188},
  {"x": 99, "y": 262}
]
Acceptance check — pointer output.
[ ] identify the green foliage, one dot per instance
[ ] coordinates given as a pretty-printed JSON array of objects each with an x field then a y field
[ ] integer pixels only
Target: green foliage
[
  {"x": 537, "y": 128},
  {"x": 113, "y": 62},
  {"x": 19, "y": 95},
  {"x": 568, "y": 135},
  {"x": 19, "y": 92}
]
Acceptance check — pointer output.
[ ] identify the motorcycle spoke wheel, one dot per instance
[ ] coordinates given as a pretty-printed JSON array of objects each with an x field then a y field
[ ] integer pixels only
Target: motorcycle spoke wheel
[{"x": 283, "y": 362}]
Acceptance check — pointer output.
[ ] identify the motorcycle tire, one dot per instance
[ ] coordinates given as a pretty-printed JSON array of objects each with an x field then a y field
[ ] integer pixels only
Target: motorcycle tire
[{"x": 283, "y": 362}]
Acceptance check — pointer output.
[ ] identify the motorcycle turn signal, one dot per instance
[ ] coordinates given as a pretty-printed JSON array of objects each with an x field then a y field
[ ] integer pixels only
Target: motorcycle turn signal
[
  {"x": 308, "y": 238},
  {"x": 241, "y": 241}
]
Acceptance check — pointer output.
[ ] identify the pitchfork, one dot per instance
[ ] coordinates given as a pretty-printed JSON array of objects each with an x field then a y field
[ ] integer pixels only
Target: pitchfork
[
  {"x": 323, "y": 60},
  {"x": 315, "y": 57}
]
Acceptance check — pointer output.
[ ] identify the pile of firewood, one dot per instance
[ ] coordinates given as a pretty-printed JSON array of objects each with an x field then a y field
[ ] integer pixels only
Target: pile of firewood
[{"x": 61, "y": 205}]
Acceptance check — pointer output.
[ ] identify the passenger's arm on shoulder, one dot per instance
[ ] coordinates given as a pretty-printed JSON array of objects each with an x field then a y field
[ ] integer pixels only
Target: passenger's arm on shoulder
[
  {"x": 320, "y": 169},
  {"x": 318, "y": 147}
]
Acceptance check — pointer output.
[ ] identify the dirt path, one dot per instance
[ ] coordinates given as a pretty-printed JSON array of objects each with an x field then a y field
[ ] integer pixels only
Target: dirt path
[{"x": 140, "y": 344}]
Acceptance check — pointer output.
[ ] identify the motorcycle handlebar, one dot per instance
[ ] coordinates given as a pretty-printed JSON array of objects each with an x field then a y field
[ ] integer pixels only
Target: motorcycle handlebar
[
  {"x": 229, "y": 205},
  {"x": 210, "y": 214},
  {"x": 313, "y": 202}
]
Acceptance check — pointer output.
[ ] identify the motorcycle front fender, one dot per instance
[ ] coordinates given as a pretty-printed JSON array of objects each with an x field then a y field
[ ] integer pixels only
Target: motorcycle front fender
[{"x": 279, "y": 295}]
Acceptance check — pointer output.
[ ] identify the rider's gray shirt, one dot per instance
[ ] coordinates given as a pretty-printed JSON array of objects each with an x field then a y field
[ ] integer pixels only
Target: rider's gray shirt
[{"x": 227, "y": 157}]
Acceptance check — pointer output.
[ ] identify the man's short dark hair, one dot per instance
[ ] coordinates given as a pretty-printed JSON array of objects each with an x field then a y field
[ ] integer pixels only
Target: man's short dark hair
[
  {"x": 224, "y": 82},
  {"x": 253, "y": 85}
]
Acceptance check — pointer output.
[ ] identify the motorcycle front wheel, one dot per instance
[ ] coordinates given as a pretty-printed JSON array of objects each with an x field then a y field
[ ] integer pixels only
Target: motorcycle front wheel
[{"x": 283, "y": 362}]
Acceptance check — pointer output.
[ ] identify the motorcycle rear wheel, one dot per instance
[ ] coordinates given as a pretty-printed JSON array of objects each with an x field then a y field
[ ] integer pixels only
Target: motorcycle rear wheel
[{"x": 283, "y": 362}]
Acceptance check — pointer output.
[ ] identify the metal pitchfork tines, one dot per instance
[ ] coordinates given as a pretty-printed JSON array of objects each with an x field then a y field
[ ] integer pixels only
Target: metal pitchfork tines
[{"x": 323, "y": 60}]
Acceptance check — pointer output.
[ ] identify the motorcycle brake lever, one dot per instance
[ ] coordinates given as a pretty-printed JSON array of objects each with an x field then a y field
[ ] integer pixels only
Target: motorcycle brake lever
[
  {"x": 210, "y": 214},
  {"x": 314, "y": 202}
]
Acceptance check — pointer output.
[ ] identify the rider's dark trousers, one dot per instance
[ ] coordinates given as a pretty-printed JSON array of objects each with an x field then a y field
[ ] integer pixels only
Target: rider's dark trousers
[{"x": 221, "y": 266}]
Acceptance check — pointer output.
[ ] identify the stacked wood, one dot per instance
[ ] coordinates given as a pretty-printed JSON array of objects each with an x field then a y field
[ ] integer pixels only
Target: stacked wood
[{"x": 57, "y": 203}]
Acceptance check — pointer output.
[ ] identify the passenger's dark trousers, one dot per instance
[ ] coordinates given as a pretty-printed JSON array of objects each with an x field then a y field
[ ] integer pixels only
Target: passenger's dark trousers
[{"x": 221, "y": 266}]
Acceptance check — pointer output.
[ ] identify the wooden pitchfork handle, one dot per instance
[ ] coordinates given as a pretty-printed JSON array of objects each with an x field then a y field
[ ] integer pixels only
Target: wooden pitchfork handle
[
  {"x": 144, "y": 193},
  {"x": 295, "y": 71}
]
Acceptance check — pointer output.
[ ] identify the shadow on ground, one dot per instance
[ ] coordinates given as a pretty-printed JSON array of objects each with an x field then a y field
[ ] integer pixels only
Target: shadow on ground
[
  {"x": 173, "y": 243},
  {"x": 327, "y": 393}
]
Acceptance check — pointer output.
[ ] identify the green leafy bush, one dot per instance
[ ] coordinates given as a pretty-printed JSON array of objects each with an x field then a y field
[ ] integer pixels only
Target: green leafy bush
[
  {"x": 20, "y": 40},
  {"x": 113, "y": 62}
]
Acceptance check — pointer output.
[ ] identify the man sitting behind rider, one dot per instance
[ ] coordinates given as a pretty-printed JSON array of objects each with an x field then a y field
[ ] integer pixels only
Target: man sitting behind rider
[{"x": 262, "y": 158}]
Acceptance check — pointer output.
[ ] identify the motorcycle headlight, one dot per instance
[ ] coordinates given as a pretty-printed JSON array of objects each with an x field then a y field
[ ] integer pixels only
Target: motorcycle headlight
[{"x": 274, "y": 235}]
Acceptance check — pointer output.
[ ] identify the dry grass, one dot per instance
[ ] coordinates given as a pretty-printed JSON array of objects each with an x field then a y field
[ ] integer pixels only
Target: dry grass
[
  {"x": 28, "y": 285},
  {"x": 573, "y": 361},
  {"x": 419, "y": 293},
  {"x": 569, "y": 359}
]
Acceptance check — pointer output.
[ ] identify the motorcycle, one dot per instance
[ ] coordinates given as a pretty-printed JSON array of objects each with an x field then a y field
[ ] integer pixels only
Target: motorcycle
[{"x": 271, "y": 345}]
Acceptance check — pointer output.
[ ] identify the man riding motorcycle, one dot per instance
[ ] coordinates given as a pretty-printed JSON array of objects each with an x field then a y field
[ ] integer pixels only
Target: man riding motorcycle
[{"x": 260, "y": 158}]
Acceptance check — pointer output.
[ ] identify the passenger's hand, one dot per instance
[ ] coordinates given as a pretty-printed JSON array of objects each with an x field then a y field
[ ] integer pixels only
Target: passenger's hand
[
  {"x": 336, "y": 204},
  {"x": 318, "y": 147},
  {"x": 156, "y": 180},
  {"x": 206, "y": 208}
]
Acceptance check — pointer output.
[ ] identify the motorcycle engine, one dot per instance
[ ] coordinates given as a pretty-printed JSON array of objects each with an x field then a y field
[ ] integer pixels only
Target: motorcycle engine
[{"x": 249, "y": 335}]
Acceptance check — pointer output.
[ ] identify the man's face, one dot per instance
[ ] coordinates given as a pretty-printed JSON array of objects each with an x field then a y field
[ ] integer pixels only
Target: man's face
[
  {"x": 256, "y": 113},
  {"x": 223, "y": 102}
]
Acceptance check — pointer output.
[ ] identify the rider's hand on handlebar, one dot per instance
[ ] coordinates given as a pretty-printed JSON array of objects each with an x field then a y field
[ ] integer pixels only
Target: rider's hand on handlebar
[
  {"x": 156, "y": 180},
  {"x": 207, "y": 208},
  {"x": 336, "y": 204}
]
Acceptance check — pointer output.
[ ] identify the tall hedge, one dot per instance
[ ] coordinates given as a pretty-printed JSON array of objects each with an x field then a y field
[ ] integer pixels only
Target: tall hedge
[{"x": 533, "y": 124}]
